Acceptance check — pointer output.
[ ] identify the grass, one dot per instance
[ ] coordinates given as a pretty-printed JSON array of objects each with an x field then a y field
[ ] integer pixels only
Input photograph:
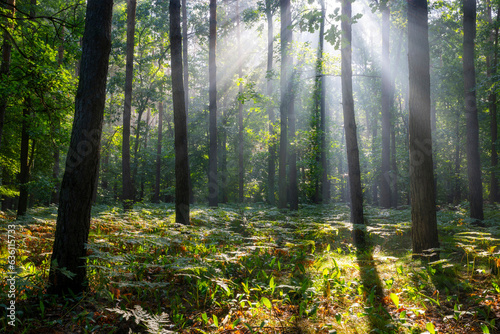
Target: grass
[{"x": 256, "y": 269}]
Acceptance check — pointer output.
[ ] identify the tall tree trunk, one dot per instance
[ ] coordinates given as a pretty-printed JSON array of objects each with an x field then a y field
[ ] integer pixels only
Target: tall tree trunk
[
  {"x": 128, "y": 186},
  {"x": 375, "y": 184},
  {"x": 24, "y": 175},
  {"x": 385, "y": 188},
  {"x": 423, "y": 207},
  {"x": 285, "y": 79},
  {"x": 491, "y": 64},
  {"x": 271, "y": 163},
  {"x": 473, "y": 160},
  {"x": 135, "y": 164},
  {"x": 320, "y": 177},
  {"x": 213, "y": 188},
  {"x": 292, "y": 163},
  {"x": 325, "y": 184},
  {"x": 457, "y": 194},
  {"x": 55, "y": 129},
  {"x": 75, "y": 201},
  {"x": 156, "y": 196},
  {"x": 394, "y": 167},
  {"x": 5, "y": 66},
  {"x": 356, "y": 193},
  {"x": 241, "y": 169},
  {"x": 180, "y": 124},
  {"x": 185, "y": 68}
]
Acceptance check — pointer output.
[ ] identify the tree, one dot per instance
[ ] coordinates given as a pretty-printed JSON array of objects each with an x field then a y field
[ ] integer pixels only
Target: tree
[
  {"x": 6, "y": 60},
  {"x": 127, "y": 182},
  {"x": 75, "y": 201},
  {"x": 356, "y": 193},
  {"x": 180, "y": 125},
  {"x": 385, "y": 189},
  {"x": 423, "y": 207},
  {"x": 156, "y": 196},
  {"x": 271, "y": 163},
  {"x": 241, "y": 168},
  {"x": 473, "y": 160},
  {"x": 491, "y": 65},
  {"x": 213, "y": 191},
  {"x": 285, "y": 84}
]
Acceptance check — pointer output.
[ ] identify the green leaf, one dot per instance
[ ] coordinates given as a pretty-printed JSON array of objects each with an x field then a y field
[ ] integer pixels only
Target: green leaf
[
  {"x": 204, "y": 317},
  {"x": 395, "y": 299},
  {"x": 216, "y": 321},
  {"x": 430, "y": 328},
  {"x": 485, "y": 329},
  {"x": 266, "y": 302}
]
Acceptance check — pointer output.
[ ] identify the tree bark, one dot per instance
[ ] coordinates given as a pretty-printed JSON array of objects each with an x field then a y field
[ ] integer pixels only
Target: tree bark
[
  {"x": 24, "y": 175},
  {"x": 213, "y": 188},
  {"x": 180, "y": 125},
  {"x": 423, "y": 207},
  {"x": 156, "y": 196},
  {"x": 75, "y": 201},
  {"x": 325, "y": 183},
  {"x": 241, "y": 168},
  {"x": 385, "y": 188},
  {"x": 271, "y": 164},
  {"x": 127, "y": 184},
  {"x": 5, "y": 66},
  {"x": 285, "y": 80},
  {"x": 473, "y": 159},
  {"x": 356, "y": 194},
  {"x": 491, "y": 64}
]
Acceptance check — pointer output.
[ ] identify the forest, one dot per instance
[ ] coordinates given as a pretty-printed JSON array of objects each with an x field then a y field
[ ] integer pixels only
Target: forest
[{"x": 249, "y": 166}]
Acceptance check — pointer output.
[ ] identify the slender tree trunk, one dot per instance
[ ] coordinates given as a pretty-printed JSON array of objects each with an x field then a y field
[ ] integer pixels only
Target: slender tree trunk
[
  {"x": 375, "y": 184},
  {"x": 473, "y": 160},
  {"x": 423, "y": 207},
  {"x": 271, "y": 167},
  {"x": 135, "y": 165},
  {"x": 55, "y": 129},
  {"x": 5, "y": 66},
  {"x": 491, "y": 64},
  {"x": 385, "y": 188},
  {"x": 223, "y": 189},
  {"x": 356, "y": 193},
  {"x": 24, "y": 175},
  {"x": 156, "y": 197},
  {"x": 241, "y": 169},
  {"x": 185, "y": 67},
  {"x": 394, "y": 176},
  {"x": 75, "y": 201},
  {"x": 180, "y": 124},
  {"x": 325, "y": 184},
  {"x": 213, "y": 188},
  {"x": 128, "y": 186},
  {"x": 285, "y": 79},
  {"x": 292, "y": 163},
  {"x": 457, "y": 194},
  {"x": 320, "y": 177}
]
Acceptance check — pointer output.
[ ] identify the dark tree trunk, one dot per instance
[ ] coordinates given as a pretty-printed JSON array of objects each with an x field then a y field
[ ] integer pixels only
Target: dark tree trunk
[
  {"x": 241, "y": 169},
  {"x": 185, "y": 68},
  {"x": 385, "y": 187},
  {"x": 271, "y": 164},
  {"x": 156, "y": 196},
  {"x": 376, "y": 182},
  {"x": 180, "y": 124},
  {"x": 457, "y": 194},
  {"x": 24, "y": 175},
  {"x": 128, "y": 186},
  {"x": 491, "y": 63},
  {"x": 394, "y": 169},
  {"x": 213, "y": 188},
  {"x": 75, "y": 201},
  {"x": 423, "y": 207},
  {"x": 320, "y": 176},
  {"x": 325, "y": 184},
  {"x": 356, "y": 193},
  {"x": 285, "y": 84},
  {"x": 473, "y": 160},
  {"x": 5, "y": 66},
  {"x": 292, "y": 163}
]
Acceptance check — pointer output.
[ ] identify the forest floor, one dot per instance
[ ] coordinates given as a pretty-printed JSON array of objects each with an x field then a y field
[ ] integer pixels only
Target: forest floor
[{"x": 255, "y": 269}]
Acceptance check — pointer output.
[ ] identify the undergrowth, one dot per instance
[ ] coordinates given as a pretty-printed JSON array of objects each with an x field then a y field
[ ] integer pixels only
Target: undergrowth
[{"x": 256, "y": 269}]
